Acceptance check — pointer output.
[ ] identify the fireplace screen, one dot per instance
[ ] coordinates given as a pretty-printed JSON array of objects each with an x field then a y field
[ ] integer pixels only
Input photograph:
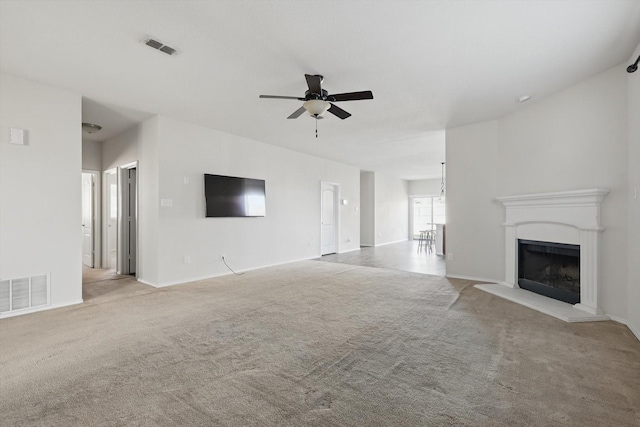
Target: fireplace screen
[{"x": 550, "y": 269}]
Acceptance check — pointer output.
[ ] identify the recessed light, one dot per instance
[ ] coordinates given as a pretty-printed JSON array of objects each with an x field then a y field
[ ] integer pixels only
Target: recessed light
[{"x": 523, "y": 98}]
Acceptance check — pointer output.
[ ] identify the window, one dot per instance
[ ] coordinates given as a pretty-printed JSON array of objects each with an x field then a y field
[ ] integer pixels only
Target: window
[{"x": 427, "y": 211}]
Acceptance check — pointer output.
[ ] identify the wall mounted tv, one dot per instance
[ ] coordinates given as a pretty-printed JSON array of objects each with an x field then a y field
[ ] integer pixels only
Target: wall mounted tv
[{"x": 229, "y": 196}]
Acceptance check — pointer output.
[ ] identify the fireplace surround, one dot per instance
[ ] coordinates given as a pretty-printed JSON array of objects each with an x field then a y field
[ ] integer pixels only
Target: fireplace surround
[{"x": 562, "y": 218}]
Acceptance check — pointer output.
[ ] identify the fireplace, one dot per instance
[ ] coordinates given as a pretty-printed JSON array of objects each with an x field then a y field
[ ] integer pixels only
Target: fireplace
[
  {"x": 571, "y": 221},
  {"x": 550, "y": 269}
]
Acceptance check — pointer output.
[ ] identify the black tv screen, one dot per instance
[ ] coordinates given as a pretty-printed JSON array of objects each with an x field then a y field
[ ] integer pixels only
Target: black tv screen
[{"x": 229, "y": 196}]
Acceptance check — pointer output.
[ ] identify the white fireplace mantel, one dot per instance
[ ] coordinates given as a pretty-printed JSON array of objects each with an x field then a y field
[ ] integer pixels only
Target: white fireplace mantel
[
  {"x": 571, "y": 217},
  {"x": 579, "y": 208}
]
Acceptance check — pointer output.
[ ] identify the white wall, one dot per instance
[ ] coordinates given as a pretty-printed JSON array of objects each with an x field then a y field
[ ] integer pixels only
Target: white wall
[
  {"x": 92, "y": 155},
  {"x": 474, "y": 235},
  {"x": 148, "y": 172},
  {"x": 391, "y": 209},
  {"x": 425, "y": 187},
  {"x": 120, "y": 150},
  {"x": 40, "y": 187},
  {"x": 367, "y": 209},
  {"x": 633, "y": 212},
  {"x": 290, "y": 231},
  {"x": 575, "y": 139}
]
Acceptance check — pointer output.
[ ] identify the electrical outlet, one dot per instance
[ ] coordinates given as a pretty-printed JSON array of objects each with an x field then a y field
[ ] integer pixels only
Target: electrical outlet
[
  {"x": 450, "y": 256},
  {"x": 187, "y": 260}
]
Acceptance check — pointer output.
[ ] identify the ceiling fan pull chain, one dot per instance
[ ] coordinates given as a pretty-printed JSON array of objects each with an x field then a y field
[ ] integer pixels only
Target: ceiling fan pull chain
[{"x": 316, "y": 127}]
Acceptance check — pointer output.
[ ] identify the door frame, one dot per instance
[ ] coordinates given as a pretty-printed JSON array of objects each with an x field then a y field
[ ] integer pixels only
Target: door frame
[
  {"x": 336, "y": 213},
  {"x": 123, "y": 206},
  {"x": 105, "y": 215},
  {"x": 96, "y": 217}
]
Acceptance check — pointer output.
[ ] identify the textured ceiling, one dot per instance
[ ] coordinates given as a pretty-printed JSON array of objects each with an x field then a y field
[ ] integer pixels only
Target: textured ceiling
[{"x": 430, "y": 64}]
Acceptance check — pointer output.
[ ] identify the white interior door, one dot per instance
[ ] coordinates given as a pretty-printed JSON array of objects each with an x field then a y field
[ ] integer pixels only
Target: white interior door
[
  {"x": 329, "y": 218},
  {"x": 111, "y": 179},
  {"x": 87, "y": 219}
]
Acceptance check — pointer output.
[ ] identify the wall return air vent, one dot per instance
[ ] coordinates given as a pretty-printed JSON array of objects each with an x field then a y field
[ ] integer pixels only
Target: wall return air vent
[
  {"x": 24, "y": 293},
  {"x": 160, "y": 46}
]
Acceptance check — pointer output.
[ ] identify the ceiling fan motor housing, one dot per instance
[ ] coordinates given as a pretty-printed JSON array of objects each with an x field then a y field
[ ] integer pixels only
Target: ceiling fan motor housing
[{"x": 309, "y": 95}]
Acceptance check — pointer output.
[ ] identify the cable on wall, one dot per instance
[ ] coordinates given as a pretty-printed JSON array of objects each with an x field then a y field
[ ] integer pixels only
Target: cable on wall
[{"x": 230, "y": 269}]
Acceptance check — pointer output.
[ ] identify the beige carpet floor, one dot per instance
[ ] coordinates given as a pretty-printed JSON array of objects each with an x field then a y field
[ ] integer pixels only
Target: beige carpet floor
[{"x": 315, "y": 344}]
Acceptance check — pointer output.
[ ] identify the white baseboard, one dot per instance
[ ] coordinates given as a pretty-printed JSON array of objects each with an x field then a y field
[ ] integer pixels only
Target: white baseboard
[
  {"x": 189, "y": 280},
  {"x": 350, "y": 250},
  {"x": 618, "y": 319},
  {"x": 144, "y": 282},
  {"x": 37, "y": 309},
  {"x": 634, "y": 331},
  {"x": 475, "y": 279},
  {"x": 227, "y": 273},
  {"x": 391, "y": 243}
]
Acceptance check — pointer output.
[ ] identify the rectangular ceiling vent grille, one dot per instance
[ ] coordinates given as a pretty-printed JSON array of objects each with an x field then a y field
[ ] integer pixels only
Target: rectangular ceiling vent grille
[
  {"x": 24, "y": 293},
  {"x": 160, "y": 46},
  {"x": 168, "y": 50}
]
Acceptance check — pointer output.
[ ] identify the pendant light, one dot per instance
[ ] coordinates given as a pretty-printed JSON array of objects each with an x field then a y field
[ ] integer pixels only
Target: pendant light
[
  {"x": 442, "y": 183},
  {"x": 441, "y": 198}
]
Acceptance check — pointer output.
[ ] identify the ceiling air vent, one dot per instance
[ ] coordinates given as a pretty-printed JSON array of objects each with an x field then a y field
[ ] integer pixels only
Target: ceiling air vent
[
  {"x": 168, "y": 50},
  {"x": 160, "y": 46}
]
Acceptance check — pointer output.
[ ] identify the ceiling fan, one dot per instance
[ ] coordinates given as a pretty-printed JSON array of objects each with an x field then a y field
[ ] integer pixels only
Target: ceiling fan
[{"x": 317, "y": 100}]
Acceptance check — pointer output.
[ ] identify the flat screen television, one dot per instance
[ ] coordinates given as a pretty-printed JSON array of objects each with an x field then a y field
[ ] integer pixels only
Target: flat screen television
[{"x": 229, "y": 196}]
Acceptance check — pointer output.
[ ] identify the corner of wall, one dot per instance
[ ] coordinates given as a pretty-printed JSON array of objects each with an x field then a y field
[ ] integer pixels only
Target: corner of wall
[
  {"x": 475, "y": 238},
  {"x": 633, "y": 197}
]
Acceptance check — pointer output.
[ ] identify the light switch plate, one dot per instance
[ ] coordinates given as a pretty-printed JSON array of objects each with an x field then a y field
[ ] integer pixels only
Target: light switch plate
[{"x": 17, "y": 136}]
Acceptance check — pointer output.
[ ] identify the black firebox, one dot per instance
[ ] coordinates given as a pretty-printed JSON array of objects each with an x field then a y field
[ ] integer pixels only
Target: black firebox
[{"x": 550, "y": 269}]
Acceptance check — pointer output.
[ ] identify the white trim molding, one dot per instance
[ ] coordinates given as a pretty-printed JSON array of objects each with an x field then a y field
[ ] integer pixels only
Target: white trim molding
[{"x": 571, "y": 217}]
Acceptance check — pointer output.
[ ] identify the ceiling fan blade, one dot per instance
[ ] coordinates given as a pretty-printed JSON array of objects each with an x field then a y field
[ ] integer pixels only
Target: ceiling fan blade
[
  {"x": 281, "y": 97},
  {"x": 297, "y": 113},
  {"x": 339, "y": 112},
  {"x": 350, "y": 96},
  {"x": 314, "y": 83}
]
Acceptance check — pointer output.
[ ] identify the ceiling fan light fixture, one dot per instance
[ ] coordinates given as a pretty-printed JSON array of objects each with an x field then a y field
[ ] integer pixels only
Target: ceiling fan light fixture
[
  {"x": 315, "y": 107},
  {"x": 90, "y": 128}
]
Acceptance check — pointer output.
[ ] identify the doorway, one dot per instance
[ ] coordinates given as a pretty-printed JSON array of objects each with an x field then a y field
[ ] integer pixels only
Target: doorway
[
  {"x": 329, "y": 218},
  {"x": 88, "y": 218},
  {"x": 111, "y": 220},
  {"x": 128, "y": 220},
  {"x": 121, "y": 219}
]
